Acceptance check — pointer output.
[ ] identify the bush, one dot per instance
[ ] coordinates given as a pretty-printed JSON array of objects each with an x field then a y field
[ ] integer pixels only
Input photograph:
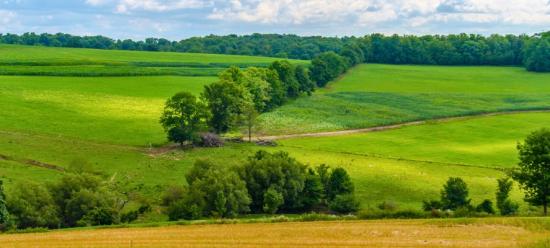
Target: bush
[
  {"x": 210, "y": 140},
  {"x": 431, "y": 205},
  {"x": 504, "y": 205},
  {"x": 344, "y": 204},
  {"x": 388, "y": 206},
  {"x": 31, "y": 205},
  {"x": 486, "y": 207},
  {"x": 384, "y": 214},
  {"x": 455, "y": 194}
]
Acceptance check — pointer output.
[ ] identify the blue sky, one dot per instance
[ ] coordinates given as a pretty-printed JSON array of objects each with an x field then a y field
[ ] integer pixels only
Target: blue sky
[{"x": 178, "y": 19}]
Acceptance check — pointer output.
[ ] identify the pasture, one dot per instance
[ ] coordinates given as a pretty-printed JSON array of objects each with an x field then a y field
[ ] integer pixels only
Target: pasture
[
  {"x": 493, "y": 232},
  {"x": 373, "y": 95}
]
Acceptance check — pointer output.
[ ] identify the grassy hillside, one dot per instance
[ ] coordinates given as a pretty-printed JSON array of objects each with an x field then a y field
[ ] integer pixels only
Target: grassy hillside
[
  {"x": 406, "y": 165},
  {"x": 373, "y": 95},
  {"x": 494, "y": 232},
  {"x": 122, "y": 110}
]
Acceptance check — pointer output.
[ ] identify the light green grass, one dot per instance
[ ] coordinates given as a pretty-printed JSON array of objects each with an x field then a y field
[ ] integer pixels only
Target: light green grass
[
  {"x": 121, "y": 110},
  {"x": 49, "y": 61},
  {"x": 372, "y": 95},
  {"x": 488, "y": 141},
  {"x": 405, "y": 166},
  {"x": 53, "y": 55}
]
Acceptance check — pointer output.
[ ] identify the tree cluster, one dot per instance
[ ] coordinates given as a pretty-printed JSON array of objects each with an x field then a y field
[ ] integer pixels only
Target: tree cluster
[
  {"x": 234, "y": 101},
  {"x": 454, "y": 198},
  {"x": 78, "y": 199},
  {"x": 267, "y": 183},
  {"x": 462, "y": 49}
]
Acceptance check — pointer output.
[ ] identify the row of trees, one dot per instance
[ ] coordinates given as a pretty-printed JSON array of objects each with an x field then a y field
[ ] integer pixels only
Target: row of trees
[
  {"x": 237, "y": 98},
  {"x": 532, "y": 174},
  {"x": 462, "y": 49},
  {"x": 454, "y": 197},
  {"x": 266, "y": 183}
]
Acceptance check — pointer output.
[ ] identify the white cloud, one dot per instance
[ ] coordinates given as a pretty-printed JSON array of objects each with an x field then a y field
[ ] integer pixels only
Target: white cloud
[
  {"x": 7, "y": 17},
  {"x": 370, "y": 12},
  {"x": 124, "y": 6}
]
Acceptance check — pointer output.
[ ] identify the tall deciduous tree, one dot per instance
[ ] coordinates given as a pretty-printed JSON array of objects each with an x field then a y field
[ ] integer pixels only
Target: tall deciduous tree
[
  {"x": 183, "y": 117},
  {"x": 533, "y": 172},
  {"x": 226, "y": 101}
]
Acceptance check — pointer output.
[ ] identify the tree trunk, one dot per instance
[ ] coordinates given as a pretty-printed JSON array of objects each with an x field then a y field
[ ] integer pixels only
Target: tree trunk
[
  {"x": 545, "y": 209},
  {"x": 249, "y": 134}
]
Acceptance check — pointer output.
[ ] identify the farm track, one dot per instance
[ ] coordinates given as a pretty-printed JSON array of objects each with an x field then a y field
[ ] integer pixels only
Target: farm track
[
  {"x": 393, "y": 126},
  {"x": 32, "y": 163}
]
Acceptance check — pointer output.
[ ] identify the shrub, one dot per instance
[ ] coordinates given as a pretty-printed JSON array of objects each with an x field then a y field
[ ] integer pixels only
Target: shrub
[
  {"x": 384, "y": 214},
  {"x": 344, "y": 204},
  {"x": 388, "y": 206},
  {"x": 431, "y": 205},
  {"x": 339, "y": 183},
  {"x": 31, "y": 205},
  {"x": 455, "y": 194},
  {"x": 486, "y": 207},
  {"x": 504, "y": 205}
]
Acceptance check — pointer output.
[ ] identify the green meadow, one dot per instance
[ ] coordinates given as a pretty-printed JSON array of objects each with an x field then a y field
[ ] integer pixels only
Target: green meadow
[
  {"x": 405, "y": 166},
  {"x": 50, "y": 61},
  {"x": 373, "y": 95},
  {"x": 110, "y": 122}
]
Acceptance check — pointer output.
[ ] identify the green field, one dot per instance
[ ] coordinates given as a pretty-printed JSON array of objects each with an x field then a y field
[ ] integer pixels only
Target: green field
[
  {"x": 111, "y": 123},
  {"x": 383, "y": 165},
  {"x": 49, "y": 61},
  {"x": 372, "y": 95}
]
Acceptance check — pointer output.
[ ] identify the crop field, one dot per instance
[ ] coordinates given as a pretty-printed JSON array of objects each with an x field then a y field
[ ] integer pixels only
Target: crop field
[
  {"x": 494, "y": 232},
  {"x": 373, "y": 95},
  {"x": 48, "y": 61}
]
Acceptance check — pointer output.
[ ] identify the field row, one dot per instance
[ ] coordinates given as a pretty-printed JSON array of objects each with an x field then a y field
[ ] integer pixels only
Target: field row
[{"x": 504, "y": 232}]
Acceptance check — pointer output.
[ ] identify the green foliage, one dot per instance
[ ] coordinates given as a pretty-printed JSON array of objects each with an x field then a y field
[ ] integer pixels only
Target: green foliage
[
  {"x": 82, "y": 201},
  {"x": 454, "y": 194},
  {"x": 533, "y": 172},
  {"x": 313, "y": 192},
  {"x": 303, "y": 76},
  {"x": 278, "y": 171},
  {"x": 4, "y": 214},
  {"x": 485, "y": 207},
  {"x": 226, "y": 102},
  {"x": 537, "y": 55},
  {"x": 31, "y": 205},
  {"x": 339, "y": 183},
  {"x": 431, "y": 205},
  {"x": 505, "y": 205},
  {"x": 273, "y": 199},
  {"x": 213, "y": 191},
  {"x": 344, "y": 204},
  {"x": 183, "y": 118},
  {"x": 326, "y": 67},
  {"x": 287, "y": 75}
]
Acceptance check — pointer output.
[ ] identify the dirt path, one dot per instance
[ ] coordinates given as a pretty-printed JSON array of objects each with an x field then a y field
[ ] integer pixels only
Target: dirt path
[
  {"x": 32, "y": 163},
  {"x": 389, "y": 127}
]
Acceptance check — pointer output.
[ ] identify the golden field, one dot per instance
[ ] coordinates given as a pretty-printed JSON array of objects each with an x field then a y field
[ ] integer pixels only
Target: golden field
[{"x": 493, "y": 232}]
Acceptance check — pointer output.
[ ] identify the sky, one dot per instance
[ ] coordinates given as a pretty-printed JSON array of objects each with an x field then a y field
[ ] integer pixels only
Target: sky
[{"x": 179, "y": 19}]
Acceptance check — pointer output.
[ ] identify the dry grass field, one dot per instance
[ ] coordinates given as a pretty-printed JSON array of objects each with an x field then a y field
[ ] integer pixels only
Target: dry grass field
[{"x": 493, "y": 232}]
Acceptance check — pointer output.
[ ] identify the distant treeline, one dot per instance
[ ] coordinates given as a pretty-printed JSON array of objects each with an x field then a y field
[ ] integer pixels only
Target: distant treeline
[{"x": 462, "y": 49}]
